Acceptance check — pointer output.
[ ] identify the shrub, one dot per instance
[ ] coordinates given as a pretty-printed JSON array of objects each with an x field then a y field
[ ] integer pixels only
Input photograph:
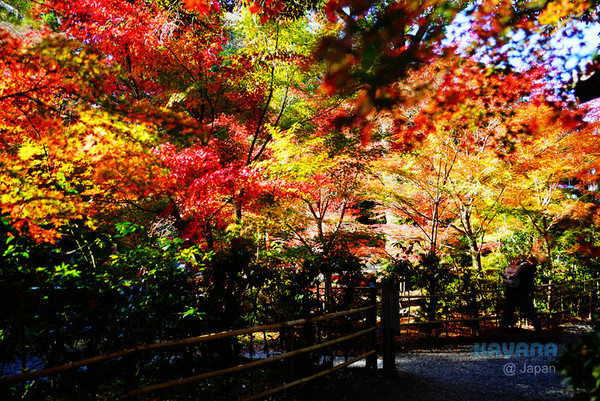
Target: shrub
[{"x": 580, "y": 363}]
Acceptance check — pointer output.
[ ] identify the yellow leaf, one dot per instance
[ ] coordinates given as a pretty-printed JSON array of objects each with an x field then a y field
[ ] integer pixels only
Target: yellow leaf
[{"x": 29, "y": 150}]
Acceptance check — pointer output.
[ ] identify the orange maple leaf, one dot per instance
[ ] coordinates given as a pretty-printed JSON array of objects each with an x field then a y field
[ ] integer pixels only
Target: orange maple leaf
[
  {"x": 200, "y": 6},
  {"x": 255, "y": 8}
]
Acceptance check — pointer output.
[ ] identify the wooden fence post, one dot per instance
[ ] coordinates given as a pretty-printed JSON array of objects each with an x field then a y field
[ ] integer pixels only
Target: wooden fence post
[
  {"x": 290, "y": 346},
  {"x": 390, "y": 323},
  {"x": 385, "y": 327},
  {"x": 592, "y": 294},
  {"x": 371, "y": 322}
]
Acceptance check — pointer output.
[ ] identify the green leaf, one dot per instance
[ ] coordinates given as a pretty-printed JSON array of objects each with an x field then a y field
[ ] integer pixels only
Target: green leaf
[{"x": 125, "y": 228}]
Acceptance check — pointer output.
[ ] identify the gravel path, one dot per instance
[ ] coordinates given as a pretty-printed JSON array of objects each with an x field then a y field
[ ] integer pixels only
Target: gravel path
[
  {"x": 448, "y": 373},
  {"x": 458, "y": 374}
]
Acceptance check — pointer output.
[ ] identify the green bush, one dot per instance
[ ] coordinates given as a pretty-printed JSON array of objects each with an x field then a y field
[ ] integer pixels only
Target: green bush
[{"x": 580, "y": 363}]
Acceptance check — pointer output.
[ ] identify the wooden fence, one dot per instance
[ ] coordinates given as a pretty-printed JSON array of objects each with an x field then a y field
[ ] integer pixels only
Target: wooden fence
[
  {"x": 554, "y": 301},
  {"x": 578, "y": 299},
  {"x": 398, "y": 312},
  {"x": 294, "y": 349}
]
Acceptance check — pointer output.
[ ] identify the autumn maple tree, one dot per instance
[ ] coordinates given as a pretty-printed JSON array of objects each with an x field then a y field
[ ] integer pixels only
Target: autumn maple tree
[
  {"x": 547, "y": 159},
  {"x": 58, "y": 151},
  {"x": 452, "y": 181},
  {"x": 173, "y": 80}
]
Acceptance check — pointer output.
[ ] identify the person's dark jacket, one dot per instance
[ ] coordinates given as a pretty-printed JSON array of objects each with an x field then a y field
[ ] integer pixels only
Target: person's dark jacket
[{"x": 527, "y": 286}]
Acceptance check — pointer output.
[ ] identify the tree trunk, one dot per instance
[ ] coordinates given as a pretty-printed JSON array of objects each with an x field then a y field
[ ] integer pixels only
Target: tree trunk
[
  {"x": 210, "y": 241},
  {"x": 475, "y": 251}
]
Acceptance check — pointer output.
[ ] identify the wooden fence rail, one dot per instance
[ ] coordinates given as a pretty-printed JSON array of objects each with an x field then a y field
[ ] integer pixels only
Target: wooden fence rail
[
  {"x": 246, "y": 366},
  {"x": 173, "y": 344},
  {"x": 370, "y": 355}
]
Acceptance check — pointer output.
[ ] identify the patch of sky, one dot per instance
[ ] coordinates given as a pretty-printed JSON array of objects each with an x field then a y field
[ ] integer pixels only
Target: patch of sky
[{"x": 567, "y": 52}]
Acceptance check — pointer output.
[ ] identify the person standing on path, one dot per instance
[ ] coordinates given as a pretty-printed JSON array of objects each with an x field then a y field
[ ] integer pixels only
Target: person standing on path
[{"x": 520, "y": 290}]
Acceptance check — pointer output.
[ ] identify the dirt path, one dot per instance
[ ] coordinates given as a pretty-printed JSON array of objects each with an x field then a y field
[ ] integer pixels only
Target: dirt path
[{"x": 458, "y": 372}]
